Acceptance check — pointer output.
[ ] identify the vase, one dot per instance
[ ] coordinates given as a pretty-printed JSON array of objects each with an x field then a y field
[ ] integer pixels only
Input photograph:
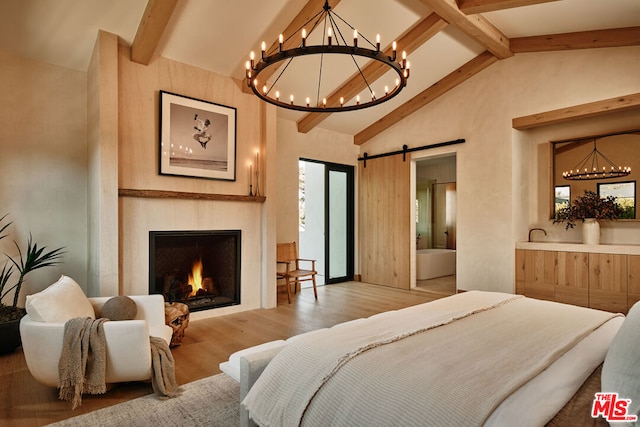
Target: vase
[{"x": 590, "y": 232}]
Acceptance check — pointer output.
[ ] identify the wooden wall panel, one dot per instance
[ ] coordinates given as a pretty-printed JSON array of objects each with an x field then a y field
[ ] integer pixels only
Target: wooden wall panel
[
  {"x": 384, "y": 215},
  {"x": 608, "y": 282}
]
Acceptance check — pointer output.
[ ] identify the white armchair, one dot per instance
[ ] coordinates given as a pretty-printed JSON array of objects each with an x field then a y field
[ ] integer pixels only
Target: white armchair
[{"x": 127, "y": 341}]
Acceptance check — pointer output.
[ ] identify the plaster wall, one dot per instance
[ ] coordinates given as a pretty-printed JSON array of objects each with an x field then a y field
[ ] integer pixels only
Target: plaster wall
[
  {"x": 43, "y": 159},
  {"x": 318, "y": 144},
  {"x": 496, "y": 201}
]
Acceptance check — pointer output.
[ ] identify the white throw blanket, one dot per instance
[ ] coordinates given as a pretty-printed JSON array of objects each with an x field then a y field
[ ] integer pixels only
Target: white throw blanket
[{"x": 402, "y": 368}]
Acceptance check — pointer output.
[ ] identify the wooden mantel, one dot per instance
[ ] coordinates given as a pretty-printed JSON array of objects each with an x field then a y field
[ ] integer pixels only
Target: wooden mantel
[
  {"x": 163, "y": 194},
  {"x": 583, "y": 111}
]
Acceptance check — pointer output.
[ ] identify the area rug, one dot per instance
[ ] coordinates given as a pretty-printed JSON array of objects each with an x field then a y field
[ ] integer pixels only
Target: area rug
[{"x": 211, "y": 401}]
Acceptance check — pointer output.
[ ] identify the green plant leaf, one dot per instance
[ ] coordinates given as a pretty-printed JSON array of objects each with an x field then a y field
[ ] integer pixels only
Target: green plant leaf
[{"x": 4, "y": 227}]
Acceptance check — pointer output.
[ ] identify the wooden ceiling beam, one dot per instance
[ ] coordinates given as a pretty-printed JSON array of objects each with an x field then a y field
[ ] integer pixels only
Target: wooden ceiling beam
[
  {"x": 447, "y": 83},
  {"x": 615, "y": 37},
  {"x": 583, "y": 111},
  {"x": 408, "y": 42},
  {"x": 475, "y": 26},
  {"x": 152, "y": 25},
  {"x": 307, "y": 12},
  {"x": 480, "y": 6}
]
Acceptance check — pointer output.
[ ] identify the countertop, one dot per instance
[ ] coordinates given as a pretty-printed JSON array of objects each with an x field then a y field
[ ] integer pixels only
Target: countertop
[{"x": 579, "y": 247}]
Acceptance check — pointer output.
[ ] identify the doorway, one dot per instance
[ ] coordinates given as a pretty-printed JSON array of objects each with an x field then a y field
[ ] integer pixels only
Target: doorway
[
  {"x": 326, "y": 218},
  {"x": 435, "y": 218}
]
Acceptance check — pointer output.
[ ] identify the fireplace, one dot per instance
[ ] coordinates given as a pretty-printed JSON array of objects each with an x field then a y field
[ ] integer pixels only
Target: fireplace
[{"x": 198, "y": 268}]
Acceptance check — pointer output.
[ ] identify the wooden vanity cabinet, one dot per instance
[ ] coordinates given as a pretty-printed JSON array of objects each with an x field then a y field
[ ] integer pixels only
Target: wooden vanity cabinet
[
  {"x": 633, "y": 284},
  {"x": 603, "y": 281}
]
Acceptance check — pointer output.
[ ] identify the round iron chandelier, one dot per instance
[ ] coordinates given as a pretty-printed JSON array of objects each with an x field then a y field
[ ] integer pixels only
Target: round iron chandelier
[
  {"x": 333, "y": 44},
  {"x": 594, "y": 166}
]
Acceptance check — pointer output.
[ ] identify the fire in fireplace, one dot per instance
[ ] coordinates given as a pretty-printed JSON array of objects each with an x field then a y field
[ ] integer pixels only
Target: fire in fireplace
[{"x": 198, "y": 268}]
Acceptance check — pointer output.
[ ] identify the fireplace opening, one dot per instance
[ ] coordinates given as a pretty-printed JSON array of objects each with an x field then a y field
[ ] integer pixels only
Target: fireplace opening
[{"x": 198, "y": 268}]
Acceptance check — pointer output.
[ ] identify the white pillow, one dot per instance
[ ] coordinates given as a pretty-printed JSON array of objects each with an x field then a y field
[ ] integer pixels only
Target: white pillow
[
  {"x": 59, "y": 302},
  {"x": 621, "y": 368}
]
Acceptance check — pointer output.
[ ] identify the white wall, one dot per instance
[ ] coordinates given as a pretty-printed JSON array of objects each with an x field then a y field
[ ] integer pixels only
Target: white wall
[
  {"x": 319, "y": 144},
  {"x": 495, "y": 164},
  {"x": 43, "y": 163}
]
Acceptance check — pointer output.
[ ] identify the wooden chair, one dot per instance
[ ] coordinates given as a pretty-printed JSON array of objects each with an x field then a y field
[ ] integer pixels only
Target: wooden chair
[{"x": 286, "y": 255}]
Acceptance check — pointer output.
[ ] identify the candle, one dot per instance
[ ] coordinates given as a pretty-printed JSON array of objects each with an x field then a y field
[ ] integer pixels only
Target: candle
[
  {"x": 257, "y": 161},
  {"x": 250, "y": 174}
]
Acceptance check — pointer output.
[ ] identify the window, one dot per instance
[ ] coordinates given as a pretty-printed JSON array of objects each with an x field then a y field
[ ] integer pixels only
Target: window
[
  {"x": 625, "y": 195},
  {"x": 562, "y": 197}
]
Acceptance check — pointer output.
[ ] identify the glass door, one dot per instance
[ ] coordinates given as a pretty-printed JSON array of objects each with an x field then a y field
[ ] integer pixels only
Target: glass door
[
  {"x": 327, "y": 219},
  {"x": 339, "y": 223}
]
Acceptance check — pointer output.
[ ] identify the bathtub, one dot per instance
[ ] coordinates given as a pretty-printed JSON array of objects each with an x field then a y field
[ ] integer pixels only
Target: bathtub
[{"x": 432, "y": 263}]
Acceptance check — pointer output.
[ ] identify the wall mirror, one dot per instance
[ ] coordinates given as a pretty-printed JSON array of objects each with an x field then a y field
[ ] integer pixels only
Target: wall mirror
[{"x": 621, "y": 149}]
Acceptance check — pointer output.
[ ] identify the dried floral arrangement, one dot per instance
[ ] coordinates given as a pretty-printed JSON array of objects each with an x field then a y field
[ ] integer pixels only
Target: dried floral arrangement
[{"x": 589, "y": 205}]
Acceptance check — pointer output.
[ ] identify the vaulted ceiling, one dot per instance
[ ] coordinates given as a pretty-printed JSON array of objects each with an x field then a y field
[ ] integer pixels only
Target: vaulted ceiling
[{"x": 447, "y": 41}]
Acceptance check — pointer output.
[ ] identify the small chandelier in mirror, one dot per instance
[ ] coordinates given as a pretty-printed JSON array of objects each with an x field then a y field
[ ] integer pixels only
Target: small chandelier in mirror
[
  {"x": 596, "y": 166},
  {"x": 334, "y": 32}
]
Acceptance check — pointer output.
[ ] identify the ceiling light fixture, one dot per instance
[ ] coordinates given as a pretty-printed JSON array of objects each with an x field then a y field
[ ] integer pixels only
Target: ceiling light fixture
[
  {"x": 333, "y": 43},
  {"x": 594, "y": 166}
]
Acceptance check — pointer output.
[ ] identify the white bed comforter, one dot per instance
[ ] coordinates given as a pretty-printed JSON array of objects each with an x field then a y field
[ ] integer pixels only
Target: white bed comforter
[{"x": 448, "y": 362}]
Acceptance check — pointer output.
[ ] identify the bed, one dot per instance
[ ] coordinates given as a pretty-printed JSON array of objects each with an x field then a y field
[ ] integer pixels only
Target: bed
[{"x": 476, "y": 358}]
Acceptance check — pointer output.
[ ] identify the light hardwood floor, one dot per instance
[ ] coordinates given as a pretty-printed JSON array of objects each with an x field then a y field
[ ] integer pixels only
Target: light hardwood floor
[
  {"x": 441, "y": 285},
  {"x": 24, "y": 402}
]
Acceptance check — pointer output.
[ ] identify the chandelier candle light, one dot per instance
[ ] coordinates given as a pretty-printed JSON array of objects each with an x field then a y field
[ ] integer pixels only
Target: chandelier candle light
[
  {"x": 589, "y": 167},
  {"x": 333, "y": 44}
]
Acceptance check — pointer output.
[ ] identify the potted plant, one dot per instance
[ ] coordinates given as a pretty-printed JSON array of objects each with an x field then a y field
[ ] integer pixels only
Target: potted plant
[
  {"x": 589, "y": 208},
  {"x": 32, "y": 259}
]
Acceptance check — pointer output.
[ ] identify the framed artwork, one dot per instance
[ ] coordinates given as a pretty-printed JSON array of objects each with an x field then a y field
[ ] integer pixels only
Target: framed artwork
[{"x": 197, "y": 138}]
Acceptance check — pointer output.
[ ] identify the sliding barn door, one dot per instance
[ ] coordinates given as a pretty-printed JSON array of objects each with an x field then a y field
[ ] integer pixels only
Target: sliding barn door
[{"x": 384, "y": 227}]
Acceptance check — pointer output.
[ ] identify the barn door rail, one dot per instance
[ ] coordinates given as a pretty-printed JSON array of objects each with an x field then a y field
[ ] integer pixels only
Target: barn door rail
[{"x": 406, "y": 149}]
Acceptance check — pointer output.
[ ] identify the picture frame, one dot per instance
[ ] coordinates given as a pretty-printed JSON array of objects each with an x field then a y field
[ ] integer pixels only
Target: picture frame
[{"x": 197, "y": 138}]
